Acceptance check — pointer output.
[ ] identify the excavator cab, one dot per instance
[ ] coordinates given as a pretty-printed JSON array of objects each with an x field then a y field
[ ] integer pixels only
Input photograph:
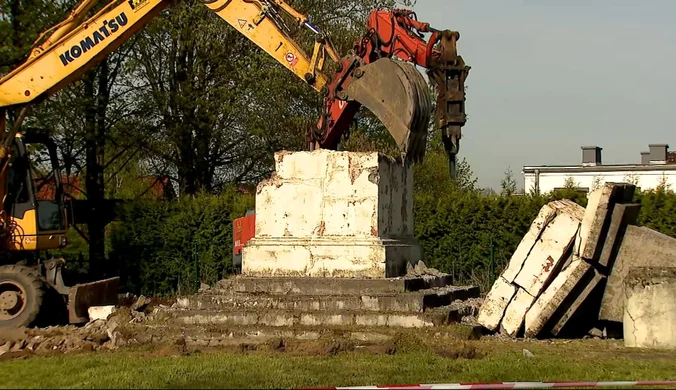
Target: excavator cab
[
  {"x": 36, "y": 220},
  {"x": 34, "y": 203}
]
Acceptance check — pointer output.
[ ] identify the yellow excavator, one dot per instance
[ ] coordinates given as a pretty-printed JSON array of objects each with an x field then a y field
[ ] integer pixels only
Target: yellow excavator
[{"x": 369, "y": 75}]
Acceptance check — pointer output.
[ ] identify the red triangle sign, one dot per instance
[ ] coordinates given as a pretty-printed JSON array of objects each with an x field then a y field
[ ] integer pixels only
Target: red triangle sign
[{"x": 241, "y": 22}]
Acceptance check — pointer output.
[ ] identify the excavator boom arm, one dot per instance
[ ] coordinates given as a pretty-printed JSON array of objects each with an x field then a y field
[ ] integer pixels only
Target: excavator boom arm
[{"x": 76, "y": 47}]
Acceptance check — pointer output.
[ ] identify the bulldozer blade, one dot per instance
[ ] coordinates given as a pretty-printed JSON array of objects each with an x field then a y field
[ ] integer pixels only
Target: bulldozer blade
[
  {"x": 83, "y": 296},
  {"x": 398, "y": 95}
]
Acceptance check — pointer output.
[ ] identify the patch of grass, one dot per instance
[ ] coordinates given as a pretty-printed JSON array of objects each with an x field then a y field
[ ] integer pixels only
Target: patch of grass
[{"x": 583, "y": 360}]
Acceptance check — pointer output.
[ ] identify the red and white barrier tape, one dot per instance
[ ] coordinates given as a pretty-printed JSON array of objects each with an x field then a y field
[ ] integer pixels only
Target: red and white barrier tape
[{"x": 510, "y": 385}]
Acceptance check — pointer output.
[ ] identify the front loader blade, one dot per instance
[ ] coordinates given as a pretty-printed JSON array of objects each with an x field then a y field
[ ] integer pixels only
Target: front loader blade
[
  {"x": 398, "y": 95},
  {"x": 83, "y": 296}
]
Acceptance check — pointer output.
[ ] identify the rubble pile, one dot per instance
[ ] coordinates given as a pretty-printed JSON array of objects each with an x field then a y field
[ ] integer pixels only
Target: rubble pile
[
  {"x": 566, "y": 276},
  {"x": 120, "y": 328}
]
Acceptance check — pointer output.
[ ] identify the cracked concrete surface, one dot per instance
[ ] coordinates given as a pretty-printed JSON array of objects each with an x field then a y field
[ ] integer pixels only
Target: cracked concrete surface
[
  {"x": 338, "y": 214},
  {"x": 649, "y": 319}
]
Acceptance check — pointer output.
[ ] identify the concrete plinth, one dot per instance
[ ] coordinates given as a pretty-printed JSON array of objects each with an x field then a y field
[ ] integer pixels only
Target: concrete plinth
[
  {"x": 650, "y": 308},
  {"x": 333, "y": 214}
]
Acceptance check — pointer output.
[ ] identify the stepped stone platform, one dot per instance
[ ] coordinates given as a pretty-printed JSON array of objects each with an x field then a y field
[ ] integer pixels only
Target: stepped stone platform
[{"x": 303, "y": 305}]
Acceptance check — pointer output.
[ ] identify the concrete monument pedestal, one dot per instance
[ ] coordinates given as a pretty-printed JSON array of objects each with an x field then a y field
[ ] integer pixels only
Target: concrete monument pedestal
[{"x": 333, "y": 214}]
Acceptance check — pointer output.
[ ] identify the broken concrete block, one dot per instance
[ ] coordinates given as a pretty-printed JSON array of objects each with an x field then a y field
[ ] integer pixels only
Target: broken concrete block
[
  {"x": 349, "y": 215},
  {"x": 100, "y": 312},
  {"x": 584, "y": 305},
  {"x": 495, "y": 303},
  {"x": 623, "y": 215},
  {"x": 538, "y": 255},
  {"x": 554, "y": 296},
  {"x": 515, "y": 312},
  {"x": 546, "y": 215},
  {"x": 650, "y": 308},
  {"x": 595, "y": 222},
  {"x": 548, "y": 252},
  {"x": 640, "y": 247}
]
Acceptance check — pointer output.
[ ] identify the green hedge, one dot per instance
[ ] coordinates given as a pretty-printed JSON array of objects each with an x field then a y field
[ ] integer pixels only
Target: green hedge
[
  {"x": 156, "y": 246},
  {"x": 160, "y": 248}
]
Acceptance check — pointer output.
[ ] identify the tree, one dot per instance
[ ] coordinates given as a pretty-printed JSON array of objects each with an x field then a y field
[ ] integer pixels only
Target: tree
[{"x": 508, "y": 184}]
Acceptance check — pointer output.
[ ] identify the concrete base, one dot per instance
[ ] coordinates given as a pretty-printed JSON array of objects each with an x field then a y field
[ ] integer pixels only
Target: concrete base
[
  {"x": 338, "y": 214},
  {"x": 650, "y": 308},
  {"x": 347, "y": 257}
]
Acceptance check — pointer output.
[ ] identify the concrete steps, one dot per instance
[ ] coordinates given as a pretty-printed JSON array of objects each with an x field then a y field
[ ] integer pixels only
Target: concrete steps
[
  {"x": 417, "y": 301},
  {"x": 317, "y": 303},
  {"x": 332, "y": 286},
  {"x": 285, "y": 318}
]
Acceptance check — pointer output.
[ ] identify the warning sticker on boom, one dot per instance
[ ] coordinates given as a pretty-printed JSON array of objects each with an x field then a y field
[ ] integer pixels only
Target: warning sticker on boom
[{"x": 291, "y": 58}]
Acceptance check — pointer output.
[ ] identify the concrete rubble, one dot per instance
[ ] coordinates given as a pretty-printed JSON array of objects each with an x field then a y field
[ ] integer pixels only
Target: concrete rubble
[
  {"x": 566, "y": 277},
  {"x": 110, "y": 327}
]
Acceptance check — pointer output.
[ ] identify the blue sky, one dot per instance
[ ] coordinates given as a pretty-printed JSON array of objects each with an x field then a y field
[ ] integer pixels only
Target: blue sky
[{"x": 550, "y": 76}]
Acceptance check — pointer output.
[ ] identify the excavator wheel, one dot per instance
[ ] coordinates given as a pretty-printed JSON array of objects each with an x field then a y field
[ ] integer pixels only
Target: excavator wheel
[
  {"x": 396, "y": 93},
  {"x": 22, "y": 290}
]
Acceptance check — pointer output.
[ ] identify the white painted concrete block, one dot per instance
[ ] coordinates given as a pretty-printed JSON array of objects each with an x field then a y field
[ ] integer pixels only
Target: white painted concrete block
[
  {"x": 531, "y": 266},
  {"x": 595, "y": 214},
  {"x": 547, "y": 253},
  {"x": 546, "y": 214},
  {"x": 550, "y": 300},
  {"x": 495, "y": 303},
  {"x": 350, "y": 215},
  {"x": 100, "y": 312},
  {"x": 544, "y": 217},
  {"x": 516, "y": 311}
]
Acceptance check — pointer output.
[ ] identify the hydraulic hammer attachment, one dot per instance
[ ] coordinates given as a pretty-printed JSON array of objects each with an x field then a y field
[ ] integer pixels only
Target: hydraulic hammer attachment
[{"x": 398, "y": 95}]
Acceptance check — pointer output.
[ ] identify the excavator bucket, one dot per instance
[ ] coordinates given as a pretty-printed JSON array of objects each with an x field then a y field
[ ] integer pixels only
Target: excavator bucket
[
  {"x": 398, "y": 95},
  {"x": 83, "y": 296}
]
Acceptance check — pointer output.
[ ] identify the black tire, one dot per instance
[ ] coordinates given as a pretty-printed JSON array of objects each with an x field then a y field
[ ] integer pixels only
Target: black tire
[{"x": 33, "y": 286}]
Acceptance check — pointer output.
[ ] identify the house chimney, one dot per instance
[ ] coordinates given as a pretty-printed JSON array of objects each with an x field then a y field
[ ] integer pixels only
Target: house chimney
[
  {"x": 645, "y": 158},
  {"x": 658, "y": 153},
  {"x": 591, "y": 155}
]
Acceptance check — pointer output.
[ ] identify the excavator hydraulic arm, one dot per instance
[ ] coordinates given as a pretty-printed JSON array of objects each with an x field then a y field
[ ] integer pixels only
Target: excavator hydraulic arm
[{"x": 393, "y": 90}]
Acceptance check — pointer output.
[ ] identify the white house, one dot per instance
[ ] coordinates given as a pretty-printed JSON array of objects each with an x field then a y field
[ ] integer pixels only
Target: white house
[{"x": 657, "y": 167}]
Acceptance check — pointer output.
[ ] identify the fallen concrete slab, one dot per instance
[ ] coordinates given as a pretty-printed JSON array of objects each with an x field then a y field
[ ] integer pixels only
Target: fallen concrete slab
[
  {"x": 582, "y": 311},
  {"x": 512, "y": 321},
  {"x": 549, "y": 250},
  {"x": 578, "y": 279},
  {"x": 623, "y": 215},
  {"x": 640, "y": 247},
  {"x": 538, "y": 256},
  {"x": 545, "y": 216},
  {"x": 554, "y": 296},
  {"x": 596, "y": 222},
  {"x": 495, "y": 304}
]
